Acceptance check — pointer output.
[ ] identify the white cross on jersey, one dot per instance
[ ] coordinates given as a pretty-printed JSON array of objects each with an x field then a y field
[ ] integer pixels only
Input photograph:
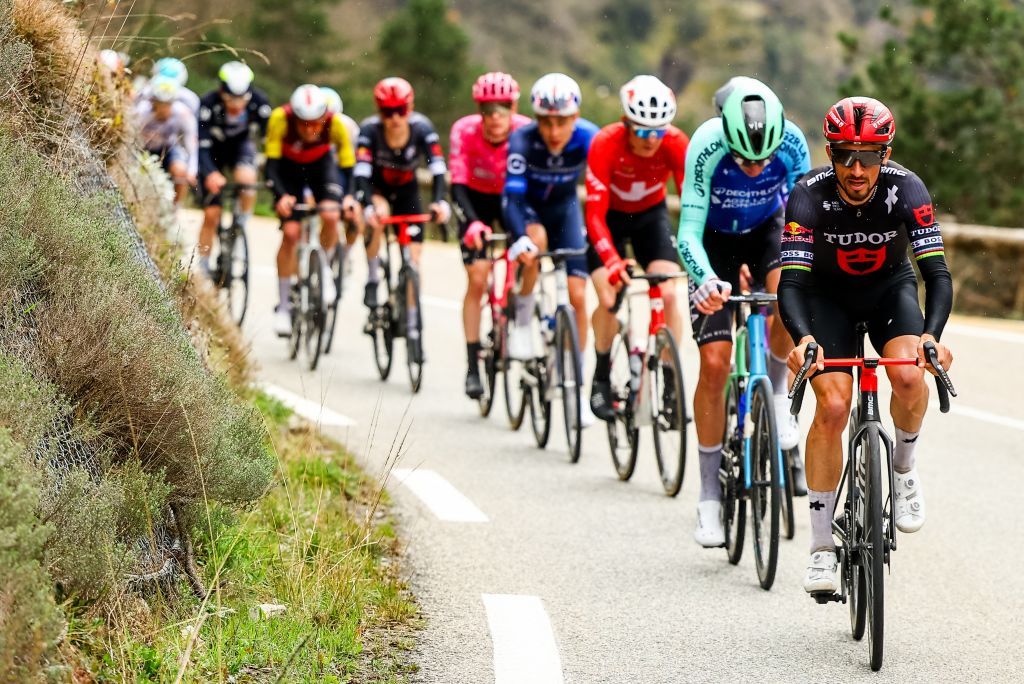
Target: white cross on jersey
[{"x": 637, "y": 191}]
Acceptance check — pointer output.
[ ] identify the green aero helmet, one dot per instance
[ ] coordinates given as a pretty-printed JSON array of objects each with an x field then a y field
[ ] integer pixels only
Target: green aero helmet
[{"x": 752, "y": 117}]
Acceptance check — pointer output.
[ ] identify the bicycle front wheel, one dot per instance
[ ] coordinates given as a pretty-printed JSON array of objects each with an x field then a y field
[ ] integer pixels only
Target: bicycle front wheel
[
  {"x": 489, "y": 358},
  {"x": 873, "y": 547},
  {"x": 567, "y": 345},
  {"x": 234, "y": 280},
  {"x": 786, "y": 503},
  {"x": 539, "y": 377},
  {"x": 313, "y": 310},
  {"x": 337, "y": 268},
  {"x": 766, "y": 491},
  {"x": 669, "y": 419},
  {"x": 514, "y": 372},
  {"x": 414, "y": 334},
  {"x": 623, "y": 435},
  {"x": 734, "y": 506}
]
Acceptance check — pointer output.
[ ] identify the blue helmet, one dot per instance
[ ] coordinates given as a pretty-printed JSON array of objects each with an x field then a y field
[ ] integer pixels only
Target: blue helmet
[{"x": 171, "y": 68}]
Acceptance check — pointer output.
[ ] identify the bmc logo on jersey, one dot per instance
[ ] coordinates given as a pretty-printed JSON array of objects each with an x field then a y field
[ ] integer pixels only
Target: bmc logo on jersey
[
  {"x": 925, "y": 215},
  {"x": 862, "y": 261}
]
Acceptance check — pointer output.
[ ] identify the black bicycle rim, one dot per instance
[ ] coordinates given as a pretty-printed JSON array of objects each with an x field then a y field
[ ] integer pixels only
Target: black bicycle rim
[
  {"x": 314, "y": 311},
  {"x": 787, "y": 512},
  {"x": 412, "y": 293},
  {"x": 489, "y": 361},
  {"x": 235, "y": 281},
  {"x": 765, "y": 494},
  {"x": 734, "y": 511},
  {"x": 332, "y": 311},
  {"x": 513, "y": 382},
  {"x": 669, "y": 426},
  {"x": 874, "y": 551},
  {"x": 623, "y": 435},
  {"x": 567, "y": 346},
  {"x": 383, "y": 340}
]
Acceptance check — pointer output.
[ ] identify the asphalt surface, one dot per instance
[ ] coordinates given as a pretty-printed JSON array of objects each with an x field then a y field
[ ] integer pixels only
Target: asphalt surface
[{"x": 629, "y": 594}]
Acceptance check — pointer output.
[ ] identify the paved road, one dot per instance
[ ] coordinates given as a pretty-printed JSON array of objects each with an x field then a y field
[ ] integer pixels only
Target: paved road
[{"x": 577, "y": 577}]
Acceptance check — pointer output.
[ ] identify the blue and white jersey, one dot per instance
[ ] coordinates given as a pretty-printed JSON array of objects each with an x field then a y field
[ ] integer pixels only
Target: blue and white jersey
[{"x": 537, "y": 178}]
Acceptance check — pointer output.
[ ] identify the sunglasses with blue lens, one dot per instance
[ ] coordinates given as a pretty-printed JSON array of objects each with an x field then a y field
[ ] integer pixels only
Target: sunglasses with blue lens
[{"x": 647, "y": 133}]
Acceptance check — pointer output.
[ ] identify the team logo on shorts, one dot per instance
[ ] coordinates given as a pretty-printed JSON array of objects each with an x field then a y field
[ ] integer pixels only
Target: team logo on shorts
[
  {"x": 862, "y": 261},
  {"x": 925, "y": 215}
]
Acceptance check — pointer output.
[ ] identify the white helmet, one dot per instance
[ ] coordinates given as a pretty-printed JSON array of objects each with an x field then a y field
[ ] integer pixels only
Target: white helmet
[
  {"x": 648, "y": 102},
  {"x": 235, "y": 78},
  {"x": 334, "y": 103},
  {"x": 555, "y": 95},
  {"x": 111, "y": 60},
  {"x": 308, "y": 102},
  {"x": 164, "y": 89},
  {"x": 172, "y": 68}
]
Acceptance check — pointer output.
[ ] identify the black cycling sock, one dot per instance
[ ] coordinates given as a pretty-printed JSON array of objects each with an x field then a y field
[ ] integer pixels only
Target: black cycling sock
[
  {"x": 473, "y": 356},
  {"x": 603, "y": 366}
]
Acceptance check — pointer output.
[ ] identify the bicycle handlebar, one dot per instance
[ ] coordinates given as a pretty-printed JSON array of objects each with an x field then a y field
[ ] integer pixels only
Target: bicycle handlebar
[
  {"x": 405, "y": 218},
  {"x": 755, "y": 298},
  {"x": 496, "y": 237},
  {"x": 943, "y": 384},
  {"x": 563, "y": 254}
]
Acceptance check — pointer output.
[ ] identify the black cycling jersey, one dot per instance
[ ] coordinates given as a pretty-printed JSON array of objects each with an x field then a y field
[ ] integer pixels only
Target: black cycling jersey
[
  {"x": 828, "y": 244},
  {"x": 220, "y": 136},
  {"x": 380, "y": 169}
]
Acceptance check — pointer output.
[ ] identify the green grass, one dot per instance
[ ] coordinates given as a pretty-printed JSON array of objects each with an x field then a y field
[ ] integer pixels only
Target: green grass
[{"x": 317, "y": 544}]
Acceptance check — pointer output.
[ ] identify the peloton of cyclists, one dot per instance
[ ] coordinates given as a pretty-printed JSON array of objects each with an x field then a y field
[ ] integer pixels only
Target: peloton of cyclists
[{"x": 168, "y": 131}]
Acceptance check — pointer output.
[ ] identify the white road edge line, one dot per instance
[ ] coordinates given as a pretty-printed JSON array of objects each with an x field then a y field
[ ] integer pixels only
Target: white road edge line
[
  {"x": 983, "y": 416},
  {"x": 310, "y": 410},
  {"x": 440, "y": 496},
  {"x": 524, "y": 644},
  {"x": 984, "y": 333}
]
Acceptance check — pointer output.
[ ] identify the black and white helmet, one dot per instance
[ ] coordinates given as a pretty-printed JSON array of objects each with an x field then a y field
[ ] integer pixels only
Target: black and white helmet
[{"x": 648, "y": 102}]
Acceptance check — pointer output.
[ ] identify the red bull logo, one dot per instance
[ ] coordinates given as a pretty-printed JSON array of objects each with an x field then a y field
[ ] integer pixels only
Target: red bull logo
[{"x": 794, "y": 231}]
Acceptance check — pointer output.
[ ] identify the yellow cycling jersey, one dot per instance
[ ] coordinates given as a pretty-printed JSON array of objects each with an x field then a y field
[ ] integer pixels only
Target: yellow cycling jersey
[{"x": 283, "y": 140}]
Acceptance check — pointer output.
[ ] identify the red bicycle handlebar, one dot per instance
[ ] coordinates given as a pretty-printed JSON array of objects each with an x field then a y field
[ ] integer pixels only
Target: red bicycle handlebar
[{"x": 405, "y": 218}]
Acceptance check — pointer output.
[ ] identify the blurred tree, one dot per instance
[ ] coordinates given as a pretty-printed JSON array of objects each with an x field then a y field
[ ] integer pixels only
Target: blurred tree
[
  {"x": 956, "y": 85},
  {"x": 424, "y": 44}
]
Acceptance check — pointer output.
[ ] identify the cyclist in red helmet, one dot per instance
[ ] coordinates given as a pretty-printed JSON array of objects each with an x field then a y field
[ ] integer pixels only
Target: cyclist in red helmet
[
  {"x": 390, "y": 147},
  {"x": 479, "y": 147},
  {"x": 844, "y": 261}
]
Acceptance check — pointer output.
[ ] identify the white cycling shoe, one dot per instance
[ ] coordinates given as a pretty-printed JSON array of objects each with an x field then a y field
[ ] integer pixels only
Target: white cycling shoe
[
  {"x": 821, "y": 573},
  {"x": 909, "y": 502},
  {"x": 789, "y": 431},
  {"x": 587, "y": 417},
  {"x": 520, "y": 343},
  {"x": 282, "y": 322},
  {"x": 709, "y": 533}
]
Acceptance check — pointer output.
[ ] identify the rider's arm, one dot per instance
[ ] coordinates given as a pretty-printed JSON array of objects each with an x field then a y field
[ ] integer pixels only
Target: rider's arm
[
  {"x": 599, "y": 174},
  {"x": 513, "y": 200},
  {"x": 797, "y": 262},
  {"x": 431, "y": 145},
  {"x": 263, "y": 111},
  {"x": 463, "y": 203},
  {"x": 346, "y": 157},
  {"x": 190, "y": 138},
  {"x": 795, "y": 154},
  {"x": 927, "y": 246},
  {"x": 277, "y": 126},
  {"x": 363, "y": 172},
  {"x": 706, "y": 149}
]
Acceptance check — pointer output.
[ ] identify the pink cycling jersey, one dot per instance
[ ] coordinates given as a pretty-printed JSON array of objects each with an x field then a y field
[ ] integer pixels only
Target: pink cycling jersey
[{"x": 473, "y": 161}]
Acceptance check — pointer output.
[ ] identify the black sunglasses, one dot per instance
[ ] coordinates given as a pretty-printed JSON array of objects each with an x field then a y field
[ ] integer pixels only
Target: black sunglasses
[
  {"x": 388, "y": 112},
  {"x": 847, "y": 157}
]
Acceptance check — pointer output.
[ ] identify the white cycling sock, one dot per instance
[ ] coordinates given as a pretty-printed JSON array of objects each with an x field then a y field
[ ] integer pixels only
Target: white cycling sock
[
  {"x": 413, "y": 325},
  {"x": 284, "y": 288},
  {"x": 778, "y": 373},
  {"x": 373, "y": 270},
  {"x": 903, "y": 450},
  {"x": 524, "y": 309},
  {"x": 822, "y": 505},
  {"x": 710, "y": 462}
]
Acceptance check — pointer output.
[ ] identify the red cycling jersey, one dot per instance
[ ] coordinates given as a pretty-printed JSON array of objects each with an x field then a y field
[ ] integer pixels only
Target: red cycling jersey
[
  {"x": 619, "y": 180},
  {"x": 473, "y": 161}
]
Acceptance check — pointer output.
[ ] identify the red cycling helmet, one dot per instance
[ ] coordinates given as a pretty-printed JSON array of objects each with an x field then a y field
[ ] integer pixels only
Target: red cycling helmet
[
  {"x": 859, "y": 120},
  {"x": 495, "y": 86},
  {"x": 392, "y": 92}
]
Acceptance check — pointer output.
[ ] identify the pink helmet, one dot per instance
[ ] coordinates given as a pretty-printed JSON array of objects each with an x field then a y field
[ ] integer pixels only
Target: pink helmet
[{"x": 495, "y": 86}]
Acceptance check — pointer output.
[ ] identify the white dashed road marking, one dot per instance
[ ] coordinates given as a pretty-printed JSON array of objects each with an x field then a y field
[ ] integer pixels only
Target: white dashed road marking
[
  {"x": 524, "y": 644},
  {"x": 440, "y": 496},
  {"x": 310, "y": 410}
]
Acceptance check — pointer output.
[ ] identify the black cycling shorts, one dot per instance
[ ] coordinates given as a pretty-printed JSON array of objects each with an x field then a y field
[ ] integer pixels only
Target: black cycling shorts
[
  {"x": 760, "y": 250},
  {"x": 889, "y": 308},
  {"x": 649, "y": 232},
  {"x": 322, "y": 177},
  {"x": 226, "y": 157},
  {"x": 404, "y": 200},
  {"x": 488, "y": 209}
]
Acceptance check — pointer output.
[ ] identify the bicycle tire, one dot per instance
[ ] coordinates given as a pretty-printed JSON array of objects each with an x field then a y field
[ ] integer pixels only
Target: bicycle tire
[
  {"x": 540, "y": 405},
  {"x": 314, "y": 310},
  {"x": 623, "y": 435},
  {"x": 766, "y": 491},
  {"x": 231, "y": 273},
  {"x": 734, "y": 510},
  {"x": 337, "y": 272},
  {"x": 488, "y": 358},
  {"x": 874, "y": 551},
  {"x": 295, "y": 339},
  {"x": 513, "y": 372},
  {"x": 853, "y": 573},
  {"x": 671, "y": 415},
  {"x": 568, "y": 365},
  {"x": 383, "y": 339},
  {"x": 786, "y": 511},
  {"x": 409, "y": 288}
]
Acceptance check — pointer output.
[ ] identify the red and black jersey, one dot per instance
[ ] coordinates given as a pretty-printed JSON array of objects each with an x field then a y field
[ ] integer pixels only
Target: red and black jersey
[
  {"x": 831, "y": 244},
  {"x": 382, "y": 169}
]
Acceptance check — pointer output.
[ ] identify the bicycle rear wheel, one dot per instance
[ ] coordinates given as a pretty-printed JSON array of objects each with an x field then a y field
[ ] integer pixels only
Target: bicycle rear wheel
[
  {"x": 623, "y": 435},
  {"x": 669, "y": 424},
  {"x": 568, "y": 364},
  {"x": 786, "y": 504},
  {"x": 337, "y": 268},
  {"x": 734, "y": 506},
  {"x": 873, "y": 548},
  {"x": 514, "y": 372},
  {"x": 232, "y": 271},
  {"x": 490, "y": 353},
  {"x": 313, "y": 311},
  {"x": 410, "y": 278},
  {"x": 766, "y": 491}
]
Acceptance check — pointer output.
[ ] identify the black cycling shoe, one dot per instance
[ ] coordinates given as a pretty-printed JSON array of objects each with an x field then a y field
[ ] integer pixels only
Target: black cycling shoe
[
  {"x": 474, "y": 388},
  {"x": 601, "y": 400},
  {"x": 370, "y": 296}
]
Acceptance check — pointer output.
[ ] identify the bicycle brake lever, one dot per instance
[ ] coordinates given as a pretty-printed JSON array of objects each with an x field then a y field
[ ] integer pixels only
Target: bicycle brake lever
[
  {"x": 943, "y": 385},
  {"x": 621, "y": 296},
  {"x": 796, "y": 393}
]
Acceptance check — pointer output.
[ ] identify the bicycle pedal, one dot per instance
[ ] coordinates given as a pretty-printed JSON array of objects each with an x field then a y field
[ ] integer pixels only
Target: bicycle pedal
[{"x": 823, "y": 597}]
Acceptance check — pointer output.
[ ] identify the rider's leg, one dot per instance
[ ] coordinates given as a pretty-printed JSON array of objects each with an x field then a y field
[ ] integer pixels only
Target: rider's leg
[
  {"x": 909, "y": 399},
  {"x": 374, "y": 240},
  {"x": 832, "y": 391},
  {"x": 287, "y": 261},
  {"x": 211, "y": 219},
  {"x": 673, "y": 316},
  {"x": 245, "y": 174},
  {"x": 476, "y": 276},
  {"x": 528, "y": 275},
  {"x": 178, "y": 171},
  {"x": 578, "y": 300},
  {"x": 709, "y": 413}
]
